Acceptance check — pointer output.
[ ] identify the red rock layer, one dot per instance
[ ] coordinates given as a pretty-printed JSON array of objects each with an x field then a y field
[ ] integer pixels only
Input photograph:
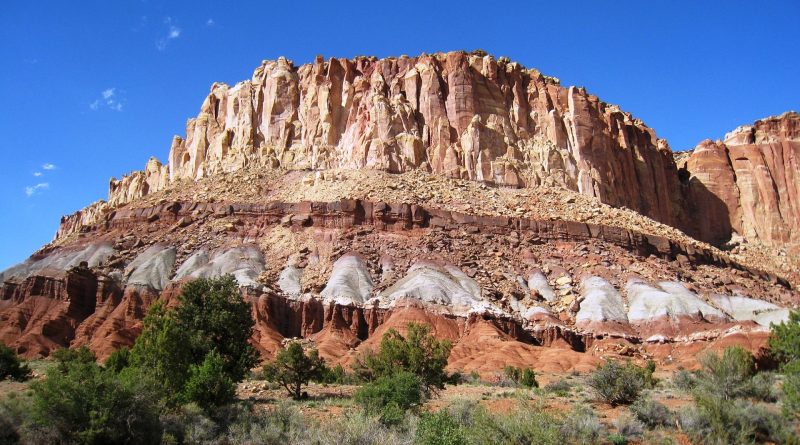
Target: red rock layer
[{"x": 749, "y": 184}]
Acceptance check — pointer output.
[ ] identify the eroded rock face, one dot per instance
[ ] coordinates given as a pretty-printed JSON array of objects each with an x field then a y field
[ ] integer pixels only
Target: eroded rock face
[
  {"x": 749, "y": 184},
  {"x": 455, "y": 114}
]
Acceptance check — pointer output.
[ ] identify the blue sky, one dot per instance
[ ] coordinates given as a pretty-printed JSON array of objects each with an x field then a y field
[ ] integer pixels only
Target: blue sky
[{"x": 92, "y": 89}]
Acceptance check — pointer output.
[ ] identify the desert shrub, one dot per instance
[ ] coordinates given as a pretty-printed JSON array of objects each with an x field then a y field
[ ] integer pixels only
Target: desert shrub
[
  {"x": 560, "y": 387},
  {"x": 211, "y": 317},
  {"x": 208, "y": 384},
  {"x": 617, "y": 439},
  {"x": 629, "y": 428},
  {"x": 784, "y": 344},
  {"x": 715, "y": 420},
  {"x": 418, "y": 352},
  {"x": 520, "y": 377},
  {"x": 581, "y": 426},
  {"x": 440, "y": 429},
  {"x": 474, "y": 377},
  {"x": 733, "y": 375},
  {"x": 651, "y": 413},
  {"x": 11, "y": 366},
  {"x": 293, "y": 368},
  {"x": 389, "y": 397},
  {"x": 684, "y": 380},
  {"x": 456, "y": 378},
  {"x": 64, "y": 357},
  {"x": 89, "y": 405},
  {"x": 524, "y": 425},
  {"x": 791, "y": 389},
  {"x": 14, "y": 410},
  {"x": 618, "y": 384},
  {"x": 727, "y": 375},
  {"x": 118, "y": 360},
  {"x": 359, "y": 428},
  {"x": 528, "y": 379},
  {"x": 784, "y": 341},
  {"x": 337, "y": 375}
]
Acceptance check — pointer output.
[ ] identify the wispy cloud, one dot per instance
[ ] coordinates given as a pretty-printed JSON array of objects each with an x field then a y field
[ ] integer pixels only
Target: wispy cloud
[
  {"x": 34, "y": 189},
  {"x": 173, "y": 32},
  {"x": 49, "y": 166},
  {"x": 37, "y": 174},
  {"x": 210, "y": 22},
  {"x": 108, "y": 97}
]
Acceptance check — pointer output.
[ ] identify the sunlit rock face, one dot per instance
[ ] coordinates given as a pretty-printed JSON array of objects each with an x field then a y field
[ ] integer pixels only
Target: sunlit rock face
[
  {"x": 749, "y": 183},
  {"x": 455, "y": 114}
]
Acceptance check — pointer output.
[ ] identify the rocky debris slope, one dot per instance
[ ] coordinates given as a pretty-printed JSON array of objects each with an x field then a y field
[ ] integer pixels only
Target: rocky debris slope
[{"x": 341, "y": 273}]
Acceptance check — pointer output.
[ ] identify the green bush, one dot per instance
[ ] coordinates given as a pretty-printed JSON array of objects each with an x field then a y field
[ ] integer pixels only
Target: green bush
[
  {"x": 684, "y": 380},
  {"x": 14, "y": 410},
  {"x": 64, "y": 357},
  {"x": 391, "y": 396},
  {"x": 524, "y": 425},
  {"x": 86, "y": 404},
  {"x": 716, "y": 421},
  {"x": 651, "y": 413},
  {"x": 784, "y": 344},
  {"x": 791, "y": 389},
  {"x": 560, "y": 387},
  {"x": 618, "y": 384},
  {"x": 293, "y": 369},
  {"x": 211, "y": 316},
  {"x": 418, "y": 352},
  {"x": 581, "y": 427},
  {"x": 440, "y": 429},
  {"x": 208, "y": 384},
  {"x": 784, "y": 341},
  {"x": 11, "y": 367},
  {"x": 629, "y": 428},
  {"x": 733, "y": 375},
  {"x": 118, "y": 360},
  {"x": 528, "y": 379}
]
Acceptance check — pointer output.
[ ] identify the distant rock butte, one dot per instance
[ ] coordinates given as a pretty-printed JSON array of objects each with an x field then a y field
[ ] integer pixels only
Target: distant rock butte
[
  {"x": 504, "y": 258},
  {"x": 749, "y": 183}
]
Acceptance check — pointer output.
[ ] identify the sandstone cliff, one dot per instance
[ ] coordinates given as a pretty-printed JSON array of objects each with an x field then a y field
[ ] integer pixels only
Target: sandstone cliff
[
  {"x": 749, "y": 183},
  {"x": 460, "y": 115}
]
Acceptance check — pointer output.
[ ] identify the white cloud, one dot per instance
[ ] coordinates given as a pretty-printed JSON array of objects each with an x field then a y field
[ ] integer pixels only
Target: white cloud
[
  {"x": 173, "y": 32},
  {"x": 37, "y": 174},
  {"x": 110, "y": 97},
  {"x": 210, "y": 22},
  {"x": 33, "y": 189},
  {"x": 49, "y": 166}
]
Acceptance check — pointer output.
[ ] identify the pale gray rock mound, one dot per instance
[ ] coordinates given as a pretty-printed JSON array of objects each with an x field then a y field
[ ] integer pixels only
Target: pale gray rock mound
[
  {"x": 244, "y": 263},
  {"x": 93, "y": 254},
  {"x": 666, "y": 300},
  {"x": 152, "y": 267},
  {"x": 350, "y": 281},
  {"x": 446, "y": 287},
  {"x": 744, "y": 309},
  {"x": 601, "y": 303},
  {"x": 538, "y": 282},
  {"x": 289, "y": 280}
]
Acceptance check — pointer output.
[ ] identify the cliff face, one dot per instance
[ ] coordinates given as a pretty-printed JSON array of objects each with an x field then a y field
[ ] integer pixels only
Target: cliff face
[
  {"x": 749, "y": 184},
  {"x": 504, "y": 227},
  {"x": 455, "y": 114}
]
